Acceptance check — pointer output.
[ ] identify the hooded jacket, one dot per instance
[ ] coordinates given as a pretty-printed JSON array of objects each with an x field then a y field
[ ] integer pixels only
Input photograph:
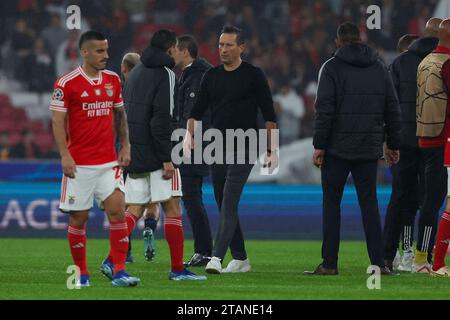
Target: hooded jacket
[
  {"x": 186, "y": 96},
  {"x": 404, "y": 75},
  {"x": 148, "y": 96},
  {"x": 356, "y": 106}
]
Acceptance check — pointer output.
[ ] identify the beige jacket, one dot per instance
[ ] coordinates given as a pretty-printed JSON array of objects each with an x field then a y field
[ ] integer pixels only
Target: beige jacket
[{"x": 431, "y": 102}]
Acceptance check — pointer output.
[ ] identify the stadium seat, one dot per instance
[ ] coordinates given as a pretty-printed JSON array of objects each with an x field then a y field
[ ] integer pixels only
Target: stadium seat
[
  {"x": 14, "y": 138},
  {"x": 36, "y": 126},
  {"x": 6, "y": 125},
  {"x": 4, "y": 100},
  {"x": 144, "y": 32},
  {"x": 44, "y": 141},
  {"x": 19, "y": 115}
]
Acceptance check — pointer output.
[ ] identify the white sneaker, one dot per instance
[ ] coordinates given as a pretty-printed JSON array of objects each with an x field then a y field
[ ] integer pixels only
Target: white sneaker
[
  {"x": 407, "y": 261},
  {"x": 421, "y": 268},
  {"x": 214, "y": 266},
  {"x": 442, "y": 272},
  {"x": 235, "y": 266},
  {"x": 397, "y": 260}
]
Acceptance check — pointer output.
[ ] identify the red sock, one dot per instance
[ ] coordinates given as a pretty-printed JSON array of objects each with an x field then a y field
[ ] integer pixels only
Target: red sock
[
  {"x": 131, "y": 221},
  {"x": 442, "y": 240},
  {"x": 77, "y": 243},
  {"x": 118, "y": 239},
  {"x": 173, "y": 229}
]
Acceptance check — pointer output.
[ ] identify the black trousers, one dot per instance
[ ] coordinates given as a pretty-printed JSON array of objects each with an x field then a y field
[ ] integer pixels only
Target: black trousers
[
  {"x": 435, "y": 191},
  {"x": 404, "y": 202},
  {"x": 196, "y": 212},
  {"x": 334, "y": 176},
  {"x": 229, "y": 181}
]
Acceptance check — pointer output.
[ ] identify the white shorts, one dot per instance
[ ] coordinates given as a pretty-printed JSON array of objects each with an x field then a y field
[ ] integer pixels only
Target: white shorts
[
  {"x": 90, "y": 182},
  {"x": 152, "y": 188},
  {"x": 448, "y": 182}
]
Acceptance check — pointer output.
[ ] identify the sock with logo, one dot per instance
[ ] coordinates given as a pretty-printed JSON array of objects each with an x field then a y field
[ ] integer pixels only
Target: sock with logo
[
  {"x": 131, "y": 221},
  {"x": 118, "y": 239},
  {"x": 173, "y": 229},
  {"x": 77, "y": 243},
  {"x": 442, "y": 241}
]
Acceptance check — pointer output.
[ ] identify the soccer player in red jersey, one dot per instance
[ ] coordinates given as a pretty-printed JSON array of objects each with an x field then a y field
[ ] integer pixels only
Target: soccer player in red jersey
[
  {"x": 87, "y": 112},
  {"x": 443, "y": 233}
]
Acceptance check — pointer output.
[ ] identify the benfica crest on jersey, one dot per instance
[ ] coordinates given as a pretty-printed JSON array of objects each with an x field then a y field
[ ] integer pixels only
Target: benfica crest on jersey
[{"x": 109, "y": 90}]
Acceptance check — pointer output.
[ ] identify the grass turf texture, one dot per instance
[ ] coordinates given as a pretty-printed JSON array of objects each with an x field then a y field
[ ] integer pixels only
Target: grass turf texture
[{"x": 36, "y": 269}]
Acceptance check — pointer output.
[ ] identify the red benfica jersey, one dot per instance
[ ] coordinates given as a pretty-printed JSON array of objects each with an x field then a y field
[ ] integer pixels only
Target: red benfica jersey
[{"x": 89, "y": 105}]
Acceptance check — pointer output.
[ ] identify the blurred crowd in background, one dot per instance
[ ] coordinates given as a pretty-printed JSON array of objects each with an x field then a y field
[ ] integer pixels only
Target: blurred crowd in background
[{"x": 288, "y": 39}]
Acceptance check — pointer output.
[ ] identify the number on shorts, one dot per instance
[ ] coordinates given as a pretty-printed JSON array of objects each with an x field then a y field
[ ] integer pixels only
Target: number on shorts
[{"x": 118, "y": 172}]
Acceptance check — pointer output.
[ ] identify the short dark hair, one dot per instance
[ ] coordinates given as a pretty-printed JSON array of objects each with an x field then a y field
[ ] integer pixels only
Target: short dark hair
[
  {"x": 163, "y": 39},
  {"x": 405, "y": 41},
  {"x": 240, "y": 39},
  {"x": 188, "y": 42},
  {"x": 90, "y": 35},
  {"x": 348, "y": 33}
]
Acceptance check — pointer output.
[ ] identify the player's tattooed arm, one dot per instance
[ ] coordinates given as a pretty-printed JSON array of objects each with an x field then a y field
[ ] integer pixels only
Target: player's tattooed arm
[{"x": 121, "y": 128}]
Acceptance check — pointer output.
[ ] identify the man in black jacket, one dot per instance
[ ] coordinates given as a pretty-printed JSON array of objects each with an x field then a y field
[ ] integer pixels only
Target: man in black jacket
[
  {"x": 129, "y": 61},
  {"x": 149, "y": 101},
  {"x": 192, "y": 174},
  {"x": 356, "y": 104},
  {"x": 234, "y": 92},
  {"x": 404, "y": 202}
]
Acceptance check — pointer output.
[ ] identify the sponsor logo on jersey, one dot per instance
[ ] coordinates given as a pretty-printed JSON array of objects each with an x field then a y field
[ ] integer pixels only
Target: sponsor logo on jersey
[
  {"x": 58, "y": 94},
  {"x": 84, "y": 94},
  {"x": 98, "y": 92},
  {"x": 192, "y": 95},
  {"x": 97, "y": 105},
  {"x": 71, "y": 199}
]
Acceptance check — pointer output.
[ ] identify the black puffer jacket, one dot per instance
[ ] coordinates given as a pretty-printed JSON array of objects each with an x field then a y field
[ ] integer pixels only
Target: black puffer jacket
[
  {"x": 404, "y": 75},
  {"x": 148, "y": 96},
  {"x": 186, "y": 96},
  {"x": 356, "y": 106}
]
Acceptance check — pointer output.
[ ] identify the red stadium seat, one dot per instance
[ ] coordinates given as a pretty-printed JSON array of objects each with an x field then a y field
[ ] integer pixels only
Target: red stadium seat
[
  {"x": 4, "y": 100},
  {"x": 36, "y": 126},
  {"x": 5, "y": 112},
  {"x": 8, "y": 125},
  {"x": 14, "y": 138},
  {"x": 145, "y": 32},
  {"x": 44, "y": 141},
  {"x": 19, "y": 115}
]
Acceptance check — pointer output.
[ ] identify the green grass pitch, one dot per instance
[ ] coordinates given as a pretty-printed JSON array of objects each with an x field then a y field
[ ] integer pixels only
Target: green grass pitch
[{"x": 36, "y": 269}]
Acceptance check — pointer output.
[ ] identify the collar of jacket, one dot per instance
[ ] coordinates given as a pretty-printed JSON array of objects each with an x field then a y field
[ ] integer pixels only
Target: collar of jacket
[{"x": 156, "y": 58}]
